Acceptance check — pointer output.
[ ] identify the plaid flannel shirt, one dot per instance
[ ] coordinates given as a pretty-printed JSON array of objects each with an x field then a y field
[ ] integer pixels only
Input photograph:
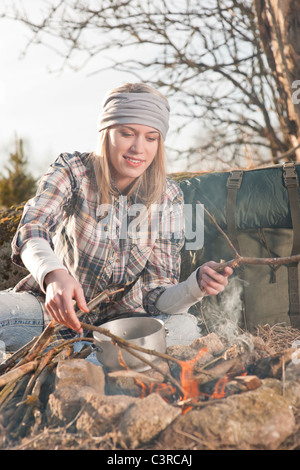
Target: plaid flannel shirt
[{"x": 66, "y": 212}]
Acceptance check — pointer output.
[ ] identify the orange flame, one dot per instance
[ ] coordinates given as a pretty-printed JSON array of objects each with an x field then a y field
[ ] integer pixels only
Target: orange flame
[
  {"x": 219, "y": 391},
  {"x": 121, "y": 360},
  {"x": 189, "y": 384}
]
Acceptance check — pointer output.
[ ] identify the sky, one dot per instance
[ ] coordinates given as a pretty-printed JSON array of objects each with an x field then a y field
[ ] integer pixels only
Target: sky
[{"x": 52, "y": 112}]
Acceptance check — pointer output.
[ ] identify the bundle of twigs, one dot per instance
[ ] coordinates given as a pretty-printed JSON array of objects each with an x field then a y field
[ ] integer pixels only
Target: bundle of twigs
[
  {"x": 27, "y": 370},
  {"x": 279, "y": 336}
]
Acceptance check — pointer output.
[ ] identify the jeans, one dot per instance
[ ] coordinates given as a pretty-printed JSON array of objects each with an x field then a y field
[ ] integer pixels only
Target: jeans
[{"x": 21, "y": 319}]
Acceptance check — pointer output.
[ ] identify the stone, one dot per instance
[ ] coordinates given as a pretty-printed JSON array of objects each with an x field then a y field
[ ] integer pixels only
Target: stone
[
  {"x": 258, "y": 419},
  {"x": 143, "y": 421},
  {"x": 85, "y": 410},
  {"x": 211, "y": 341},
  {"x": 76, "y": 373},
  {"x": 72, "y": 377},
  {"x": 63, "y": 405},
  {"x": 100, "y": 413}
]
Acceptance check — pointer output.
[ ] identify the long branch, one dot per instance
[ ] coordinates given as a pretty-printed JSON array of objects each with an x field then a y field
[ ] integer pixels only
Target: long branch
[
  {"x": 129, "y": 347},
  {"x": 259, "y": 261},
  {"x": 127, "y": 344},
  {"x": 238, "y": 260}
]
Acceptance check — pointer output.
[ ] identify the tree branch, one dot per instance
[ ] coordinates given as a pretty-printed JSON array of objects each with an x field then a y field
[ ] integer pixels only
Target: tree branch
[{"x": 240, "y": 260}]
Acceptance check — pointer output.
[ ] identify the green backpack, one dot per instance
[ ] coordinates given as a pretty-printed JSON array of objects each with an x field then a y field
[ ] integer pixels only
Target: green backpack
[{"x": 259, "y": 211}]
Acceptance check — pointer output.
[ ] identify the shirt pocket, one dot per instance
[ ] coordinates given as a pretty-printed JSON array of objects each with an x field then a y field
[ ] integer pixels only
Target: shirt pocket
[{"x": 137, "y": 260}]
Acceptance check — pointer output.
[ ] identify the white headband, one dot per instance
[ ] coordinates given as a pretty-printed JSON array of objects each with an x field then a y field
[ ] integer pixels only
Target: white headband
[{"x": 135, "y": 108}]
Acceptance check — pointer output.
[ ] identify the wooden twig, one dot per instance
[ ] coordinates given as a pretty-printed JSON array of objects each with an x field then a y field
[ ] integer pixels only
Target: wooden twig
[
  {"x": 239, "y": 260},
  {"x": 6, "y": 391},
  {"x": 134, "y": 374},
  {"x": 155, "y": 367},
  {"x": 123, "y": 342},
  {"x": 93, "y": 304},
  {"x": 31, "y": 394},
  {"x": 259, "y": 261},
  {"x": 18, "y": 372},
  {"x": 44, "y": 361},
  {"x": 11, "y": 360},
  {"x": 221, "y": 231},
  {"x": 100, "y": 297},
  {"x": 130, "y": 347},
  {"x": 41, "y": 344}
]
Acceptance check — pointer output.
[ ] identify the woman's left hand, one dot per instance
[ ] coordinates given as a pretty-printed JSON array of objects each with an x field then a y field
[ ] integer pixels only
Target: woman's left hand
[{"x": 210, "y": 281}]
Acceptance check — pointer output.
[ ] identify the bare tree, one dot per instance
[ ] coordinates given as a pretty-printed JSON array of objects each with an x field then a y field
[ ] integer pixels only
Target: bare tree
[
  {"x": 279, "y": 26},
  {"x": 205, "y": 56}
]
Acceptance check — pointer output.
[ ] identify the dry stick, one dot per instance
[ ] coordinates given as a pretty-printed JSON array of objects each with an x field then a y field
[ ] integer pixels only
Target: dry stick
[
  {"x": 123, "y": 342},
  {"x": 18, "y": 372},
  {"x": 238, "y": 260},
  {"x": 42, "y": 364},
  {"x": 18, "y": 424},
  {"x": 38, "y": 346},
  {"x": 5, "y": 392},
  {"x": 155, "y": 367},
  {"x": 17, "y": 355},
  {"x": 259, "y": 261},
  {"x": 31, "y": 398},
  {"x": 221, "y": 231},
  {"x": 41, "y": 343},
  {"x": 129, "y": 346},
  {"x": 93, "y": 304},
  {"x": 134, "y": 374}
]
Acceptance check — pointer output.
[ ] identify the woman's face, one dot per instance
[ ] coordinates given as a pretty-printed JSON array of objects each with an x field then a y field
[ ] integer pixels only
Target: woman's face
[{"x": 132, "y": 149}]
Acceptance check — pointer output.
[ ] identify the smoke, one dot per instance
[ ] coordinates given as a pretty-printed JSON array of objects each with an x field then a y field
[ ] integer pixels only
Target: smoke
[
  {"x": 225, "y": 316},
  {"x": 230, "y": 309}
]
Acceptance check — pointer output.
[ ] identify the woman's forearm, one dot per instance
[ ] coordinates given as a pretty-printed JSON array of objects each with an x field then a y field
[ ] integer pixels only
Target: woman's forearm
[
  {"x": 180, "y": 297},
  {"x": 39, "y": 258}
]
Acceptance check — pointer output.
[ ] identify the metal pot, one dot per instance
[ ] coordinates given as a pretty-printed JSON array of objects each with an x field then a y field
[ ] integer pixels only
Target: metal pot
[{"x": 146, "y": 332}]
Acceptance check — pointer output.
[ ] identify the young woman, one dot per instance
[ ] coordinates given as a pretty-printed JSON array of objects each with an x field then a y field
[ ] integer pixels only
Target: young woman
[{"x": 98, "y": 222}]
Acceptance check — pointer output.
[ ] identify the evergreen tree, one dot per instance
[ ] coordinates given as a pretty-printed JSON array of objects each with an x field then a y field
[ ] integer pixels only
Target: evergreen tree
[{"x": 18, "y": 186}]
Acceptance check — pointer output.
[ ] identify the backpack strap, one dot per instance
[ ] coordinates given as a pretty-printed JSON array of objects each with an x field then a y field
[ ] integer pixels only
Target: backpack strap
[
  {"x": 292, "y": 183},
  {"x": 233, "y": 184}
]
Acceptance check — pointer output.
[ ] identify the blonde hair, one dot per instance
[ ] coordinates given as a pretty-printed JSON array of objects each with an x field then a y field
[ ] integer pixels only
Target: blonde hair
[{"x": 150, "y": 186}]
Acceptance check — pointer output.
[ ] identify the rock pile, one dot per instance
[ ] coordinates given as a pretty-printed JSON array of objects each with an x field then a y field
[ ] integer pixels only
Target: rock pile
[{"x": 86, "y": 406}]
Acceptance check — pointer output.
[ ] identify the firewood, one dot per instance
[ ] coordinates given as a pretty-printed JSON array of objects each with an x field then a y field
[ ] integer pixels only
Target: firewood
[
  {"x": 15, "y": 374},
  {"x": 41, "y": 343},
  {"x": 11, "y": 360},
  {"x": 273, "y": 365},
  {"x": 251, "y": 382},
  {"x": 231, "y": 368},
  {"x": 134, "y": 374},
  {"x": 240, "y": 260}
]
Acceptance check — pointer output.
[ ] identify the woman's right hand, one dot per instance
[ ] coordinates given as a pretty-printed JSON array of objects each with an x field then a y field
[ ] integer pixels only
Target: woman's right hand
[{"x": 61, "y": 290}]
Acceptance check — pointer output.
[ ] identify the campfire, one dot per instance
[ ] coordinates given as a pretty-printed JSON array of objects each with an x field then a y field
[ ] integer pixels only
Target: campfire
[
  {"x": 49, "y": 390},
  {"x": 194, "y": 387}
]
